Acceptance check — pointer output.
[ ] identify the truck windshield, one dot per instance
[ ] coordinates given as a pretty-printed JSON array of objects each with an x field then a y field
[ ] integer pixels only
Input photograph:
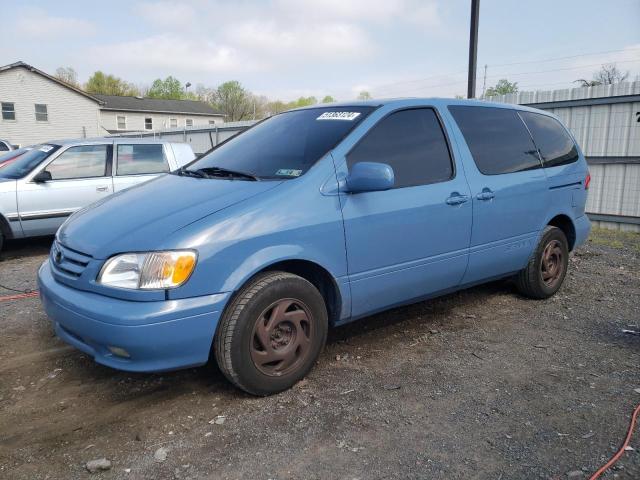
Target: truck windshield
[
  {"x": 283, "y": 146},
  {"x": 26, "y": 162}
]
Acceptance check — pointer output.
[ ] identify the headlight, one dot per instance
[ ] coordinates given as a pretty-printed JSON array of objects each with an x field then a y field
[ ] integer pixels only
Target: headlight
[{"x": 148, "y": 271}]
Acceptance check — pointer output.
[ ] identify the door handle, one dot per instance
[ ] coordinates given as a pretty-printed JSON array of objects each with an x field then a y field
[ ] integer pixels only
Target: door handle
[
  {"x": 457, "y": 199},
  {"x": 486, "y": 194},
  {"x": 103, "y": 188}
]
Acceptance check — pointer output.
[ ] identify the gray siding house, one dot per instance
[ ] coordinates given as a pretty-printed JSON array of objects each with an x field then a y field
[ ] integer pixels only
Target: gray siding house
[
  {"x": 137, "y": 114},
  {"x": 36, "y": 107}
]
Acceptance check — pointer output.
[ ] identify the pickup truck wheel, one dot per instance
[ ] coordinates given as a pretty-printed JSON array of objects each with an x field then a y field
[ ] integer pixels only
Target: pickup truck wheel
[
  {"x": 547, "y": 267},
  {"x": 271, "y": 334}
]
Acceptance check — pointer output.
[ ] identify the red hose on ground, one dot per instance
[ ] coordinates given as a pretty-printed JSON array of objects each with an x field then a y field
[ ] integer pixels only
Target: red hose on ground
[
  {"x": 19, "y": 296},
  {"x": 615, "y": 458}
]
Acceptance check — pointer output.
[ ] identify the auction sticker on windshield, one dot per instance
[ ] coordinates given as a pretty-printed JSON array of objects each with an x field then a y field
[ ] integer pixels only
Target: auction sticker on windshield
[
  {"x": 349, "y": 116},
  {"x": 289, "y": 172}
]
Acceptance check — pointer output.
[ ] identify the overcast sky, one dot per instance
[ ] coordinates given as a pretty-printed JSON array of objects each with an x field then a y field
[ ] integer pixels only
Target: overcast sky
[{"x": 288, "y": 48}]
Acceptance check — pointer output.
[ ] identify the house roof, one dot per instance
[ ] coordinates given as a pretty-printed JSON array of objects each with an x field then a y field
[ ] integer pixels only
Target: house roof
[
  {"x": 140, "y": 104},
  {"x": 20, "y": 64}
]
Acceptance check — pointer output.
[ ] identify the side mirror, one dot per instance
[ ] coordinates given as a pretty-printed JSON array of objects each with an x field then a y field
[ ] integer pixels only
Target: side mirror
[
  {"x": 370, "y": 177},
  {"x": 42, "y": 176}
]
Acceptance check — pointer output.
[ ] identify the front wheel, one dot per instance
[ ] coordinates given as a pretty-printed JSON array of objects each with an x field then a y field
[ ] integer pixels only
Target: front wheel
[
  {"x": 272, "y": 333},
  {"x": 547, "y": 267}
]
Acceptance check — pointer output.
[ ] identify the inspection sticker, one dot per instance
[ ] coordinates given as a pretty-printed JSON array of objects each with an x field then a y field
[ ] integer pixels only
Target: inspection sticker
[
  {"x": 289, "y": 172},
  {"x": 349, "y": 116},
  {"x": 45, "y": 148}
]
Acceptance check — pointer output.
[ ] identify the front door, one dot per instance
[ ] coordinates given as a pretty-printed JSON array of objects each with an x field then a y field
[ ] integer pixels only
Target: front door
[
  {"x": 79, "y": 177},
  {"x": 411, "y": 241}
]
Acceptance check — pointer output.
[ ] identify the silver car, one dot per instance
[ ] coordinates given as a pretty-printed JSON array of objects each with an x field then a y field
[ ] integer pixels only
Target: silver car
[{"x": 42, "y": 187}]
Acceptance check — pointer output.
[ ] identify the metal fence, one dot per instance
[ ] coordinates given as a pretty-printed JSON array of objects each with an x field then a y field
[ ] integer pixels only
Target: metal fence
[{"x": 604, "y": 119}]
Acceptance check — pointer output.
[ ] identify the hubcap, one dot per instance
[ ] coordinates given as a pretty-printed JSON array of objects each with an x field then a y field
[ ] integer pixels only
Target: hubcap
[
  {"x": 282, "y": 337},
  {"x": 552, "y": 263}
]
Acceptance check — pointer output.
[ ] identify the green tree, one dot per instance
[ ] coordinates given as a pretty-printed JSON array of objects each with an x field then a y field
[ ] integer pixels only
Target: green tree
[
  {"x": 105, "y": 84},
  {"x": 234, "y": 101},
  {"x": 503, "y": 87},
  {"x": 364, "y": 95},
  {"x": 328, "y": 99},
  {"x": 68, "y": 75},
  {"x": 170, "y": 88},
  {"x": 303, "y": 102}
]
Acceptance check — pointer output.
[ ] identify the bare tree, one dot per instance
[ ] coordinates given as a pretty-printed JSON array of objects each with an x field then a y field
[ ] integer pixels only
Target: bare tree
[
  {"x": 67, "y": 75},
  {"x": 607, "y": 75}
]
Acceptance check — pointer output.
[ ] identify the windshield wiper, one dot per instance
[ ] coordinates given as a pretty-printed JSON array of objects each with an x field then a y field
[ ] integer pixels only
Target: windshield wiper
[
  {"x": 225, "y": 172},
  {"x": 183, "y": 171}
]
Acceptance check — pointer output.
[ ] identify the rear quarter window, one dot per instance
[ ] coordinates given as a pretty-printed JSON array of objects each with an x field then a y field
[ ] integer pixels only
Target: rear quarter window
[
  {"x": 554, "y": 142},
  {"x": 497, "y": 138}
]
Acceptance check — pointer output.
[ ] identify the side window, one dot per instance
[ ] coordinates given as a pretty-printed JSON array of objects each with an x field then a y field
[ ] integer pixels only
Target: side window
[
  {"x": 84, "y": 161},
  {"x": 141, "y": 159},
  {"x": 412, "y": 143},
  {"x": 497, "y": 138},
  {"x": 555, "y": 144}
]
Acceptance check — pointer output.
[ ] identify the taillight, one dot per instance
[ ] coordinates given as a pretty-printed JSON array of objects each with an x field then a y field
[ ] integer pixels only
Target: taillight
[{"x": 587, "y": 181}]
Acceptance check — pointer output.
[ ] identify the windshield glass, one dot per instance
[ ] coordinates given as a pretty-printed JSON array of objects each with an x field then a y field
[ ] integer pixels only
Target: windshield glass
[
  {"x": 285, "y": 145},
  {"x": 26, "y": 162}
]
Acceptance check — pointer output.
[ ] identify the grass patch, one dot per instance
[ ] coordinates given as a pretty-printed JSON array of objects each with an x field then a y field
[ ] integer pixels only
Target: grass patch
[{"x": 615, "y": 238}]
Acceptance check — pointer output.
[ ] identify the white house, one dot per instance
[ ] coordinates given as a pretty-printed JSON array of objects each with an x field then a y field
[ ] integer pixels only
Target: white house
[{"x": 36, "y": 107}]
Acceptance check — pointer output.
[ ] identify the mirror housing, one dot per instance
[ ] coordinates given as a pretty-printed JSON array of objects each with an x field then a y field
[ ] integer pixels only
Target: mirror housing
[
  {"x": 42, "y": 176},
  {"x": 370, "y": 177}
]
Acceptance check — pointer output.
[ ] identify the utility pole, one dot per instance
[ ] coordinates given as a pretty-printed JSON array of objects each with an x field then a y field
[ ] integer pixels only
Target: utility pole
[
  {"x": 473, "y": 48},
  {"x": 484, "y": 80}
]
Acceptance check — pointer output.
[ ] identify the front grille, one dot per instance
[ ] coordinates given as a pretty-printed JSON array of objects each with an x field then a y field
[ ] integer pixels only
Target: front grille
[{"x": 68, "y": 261}]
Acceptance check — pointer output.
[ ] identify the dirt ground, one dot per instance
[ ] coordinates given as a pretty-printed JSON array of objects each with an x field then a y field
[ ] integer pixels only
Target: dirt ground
[{"x": 481, "y": 384}]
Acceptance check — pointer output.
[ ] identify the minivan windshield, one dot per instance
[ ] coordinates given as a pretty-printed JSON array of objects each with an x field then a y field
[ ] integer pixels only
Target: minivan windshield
[
  {"x": 283, "y": 146},
  {"x": 26, "y": 162}
]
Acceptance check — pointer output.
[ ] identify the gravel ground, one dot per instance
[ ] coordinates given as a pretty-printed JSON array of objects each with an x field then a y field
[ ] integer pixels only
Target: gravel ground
[{"x": 481, "y": 384}]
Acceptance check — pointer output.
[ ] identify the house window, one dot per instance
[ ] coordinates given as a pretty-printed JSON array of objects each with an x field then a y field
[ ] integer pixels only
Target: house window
[
  {"x": 41, "y": 113},
  {"x": 188, "y": 122},
  {"x": 8, "y": 111},
  {"x": 148, "y": 123},
  {"x": 122, "y": 122},
  {"x": 212, "y": 122},
  {"x": 173, "y": 123}
]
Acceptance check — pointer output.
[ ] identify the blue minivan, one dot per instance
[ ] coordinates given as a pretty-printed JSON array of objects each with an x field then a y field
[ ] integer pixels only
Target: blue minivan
[{"x": 313, "y": 218}]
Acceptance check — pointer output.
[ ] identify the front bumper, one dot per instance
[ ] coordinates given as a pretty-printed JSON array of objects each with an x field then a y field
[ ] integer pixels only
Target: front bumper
[{"x": 158, "y": 335}]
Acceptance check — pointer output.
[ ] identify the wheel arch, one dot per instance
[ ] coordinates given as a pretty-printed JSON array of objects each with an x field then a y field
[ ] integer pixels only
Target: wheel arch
[
  {"x": 310, "y": 270},
  {"x": 564, "y": 223},
  {"x": 5, "y": 228}
]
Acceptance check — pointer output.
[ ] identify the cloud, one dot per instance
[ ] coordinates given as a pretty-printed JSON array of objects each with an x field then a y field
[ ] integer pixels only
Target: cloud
[
  {"x": 313, "y": 41},
  {"x": 167, "y": 15},
  {"x": 36, "y": 23},
  {"x": 170, "y": 54}
]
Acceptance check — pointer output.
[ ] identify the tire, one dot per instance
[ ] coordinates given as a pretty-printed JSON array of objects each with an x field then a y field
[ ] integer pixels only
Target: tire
[
  {"x": 272, "y": 333},
  {"x": 1, "y": 241},
  {"x": 547, "y": 267}
]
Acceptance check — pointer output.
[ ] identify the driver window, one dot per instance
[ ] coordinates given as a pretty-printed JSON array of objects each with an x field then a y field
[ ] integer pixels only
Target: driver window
[{"x": 412, "y": 143}]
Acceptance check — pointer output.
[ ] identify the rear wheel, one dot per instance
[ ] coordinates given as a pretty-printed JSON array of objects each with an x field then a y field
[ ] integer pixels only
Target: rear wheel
[
  {"x": 547, "y": 267},
  {"x": 272, "y": 333}
]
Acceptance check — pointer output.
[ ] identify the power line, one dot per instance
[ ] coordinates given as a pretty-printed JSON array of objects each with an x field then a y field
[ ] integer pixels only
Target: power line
[
  {"x": 460, "y": 72},
  {"x": 502, "y": 75}
]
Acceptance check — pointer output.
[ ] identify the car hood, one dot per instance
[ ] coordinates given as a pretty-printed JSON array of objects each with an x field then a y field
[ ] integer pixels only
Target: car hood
[{"x": 142, "y": 217}]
